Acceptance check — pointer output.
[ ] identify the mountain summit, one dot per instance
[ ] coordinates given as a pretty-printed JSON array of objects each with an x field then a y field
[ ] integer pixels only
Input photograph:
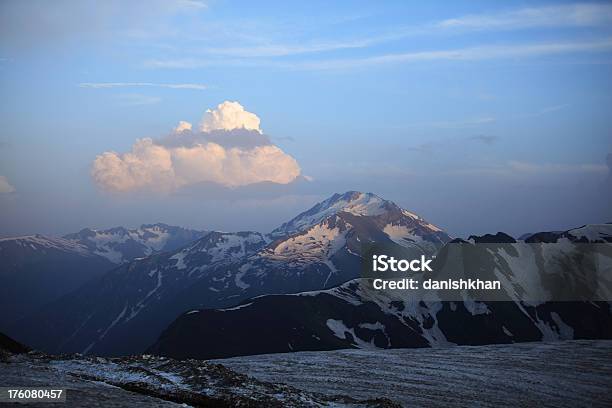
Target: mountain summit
[
  {"x": 353, "y": 202},
  {"x": 358, "y": 204}
]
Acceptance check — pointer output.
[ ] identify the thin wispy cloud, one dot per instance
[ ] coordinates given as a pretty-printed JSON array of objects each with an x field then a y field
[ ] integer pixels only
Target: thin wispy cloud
[
  {"x": 529, "y": 50},
  {"x": 545, "y": 111},
  {"x": 570, "y": 15},
  {"x": 486, "y": 139},
  {"x": 271, "y": 46},
  {"x": 106, "y": 85},
  {"x": 192, "y": 4},
  {"x": 554, "y": 108},
  {"x": 282, "y": 50},
  {"x": 176, "y": 63},
  {"x": 464, "y": 123},
  {"x": 463, "y": 54}
]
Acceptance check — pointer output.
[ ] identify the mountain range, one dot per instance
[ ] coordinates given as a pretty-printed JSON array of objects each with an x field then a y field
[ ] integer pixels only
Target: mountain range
[
  {"x": 351, "y": 316},
  {"x": 296, "y": 288},
  {"x": 318, "y": 249},
  {"x": 37, "y": 269}
]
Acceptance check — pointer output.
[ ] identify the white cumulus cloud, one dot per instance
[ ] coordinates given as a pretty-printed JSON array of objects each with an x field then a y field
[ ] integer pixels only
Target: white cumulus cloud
[
  {"x": 229, "y": 150},
  {"x": 182, "y": 125},
  {"x": 5, "y": 186},
  {"x": 229, "y": 116}
]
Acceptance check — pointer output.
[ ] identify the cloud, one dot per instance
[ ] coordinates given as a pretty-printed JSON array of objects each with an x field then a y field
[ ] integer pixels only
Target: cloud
[
  {"x": 191, "y": 4},
  {"x": 554, "y": 108},
  {"x": 462, "y": 54},
  {"x": 147, "y": 165},
  {"x": 229, "y": 150},
  {"x": 229, "y": 116},
  {"x": 284, "y": 50},
  {"x": 475, "y": 122},
  {"x": 5, "y": 186},
  {"x": 271, "y": 46},
  {"x": 544, "y": 111},
  {"x": 548, "y": 109},
  {"x": 571, "y": 15},
  {"x": 182, "y": 126},
  {"x": 486, "y": 139},
  {"x": 477, "y": 53},
  {"x": 107, "y": 85}
]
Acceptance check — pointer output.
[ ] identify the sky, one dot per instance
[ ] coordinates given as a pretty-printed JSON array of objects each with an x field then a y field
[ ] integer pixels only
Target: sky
[{"x": 480, "y": 116}]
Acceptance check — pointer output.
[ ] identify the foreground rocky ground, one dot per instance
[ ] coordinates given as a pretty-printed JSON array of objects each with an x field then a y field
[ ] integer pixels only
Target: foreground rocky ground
[
  {"x": 558, "y": 374},
  {"x": 157, "y": 382}
]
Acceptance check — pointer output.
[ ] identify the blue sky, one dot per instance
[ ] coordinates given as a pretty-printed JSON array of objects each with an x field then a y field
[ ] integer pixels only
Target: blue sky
[{"x": 480, "y": 116}]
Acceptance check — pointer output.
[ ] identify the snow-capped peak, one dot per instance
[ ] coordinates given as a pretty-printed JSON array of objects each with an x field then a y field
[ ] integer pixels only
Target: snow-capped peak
[
  {"x": 357, "y": 203},
  {"x": 353, "y": 202}
]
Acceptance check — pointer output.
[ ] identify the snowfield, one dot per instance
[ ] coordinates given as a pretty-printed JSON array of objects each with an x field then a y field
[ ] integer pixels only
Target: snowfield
[{"x": 558, "y": 374}]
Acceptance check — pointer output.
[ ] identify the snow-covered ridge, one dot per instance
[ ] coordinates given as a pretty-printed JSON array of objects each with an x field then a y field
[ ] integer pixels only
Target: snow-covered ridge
[
  {"x": 121, "y": 244},
  {"x": 38, "y": 242},
  {"x": 117, "y": 244},
  {"x": 590, "y": 233},
  {"x": 593, "y": 232},
  {"x": 225, "y": 246}
]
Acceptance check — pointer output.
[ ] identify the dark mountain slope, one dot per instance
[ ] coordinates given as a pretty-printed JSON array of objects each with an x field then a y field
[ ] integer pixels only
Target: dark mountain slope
[{"x": 355, "y": 315}]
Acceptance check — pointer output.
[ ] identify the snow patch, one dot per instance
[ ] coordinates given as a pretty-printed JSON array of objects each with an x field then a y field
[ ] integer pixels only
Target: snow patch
[
  {"x": 340, "y": 330},
  {"x": 180, "y": 260}
]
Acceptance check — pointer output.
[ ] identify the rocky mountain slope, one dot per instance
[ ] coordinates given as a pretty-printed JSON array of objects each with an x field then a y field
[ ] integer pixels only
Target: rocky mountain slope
[
  {"x": 355, "y": 316},
  {"x": 35, "y": 270},
  {"x": 120, "y": 312}
]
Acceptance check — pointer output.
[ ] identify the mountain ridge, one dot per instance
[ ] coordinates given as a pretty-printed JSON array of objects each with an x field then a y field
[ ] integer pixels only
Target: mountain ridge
[
  {"x": 350, "y": 316},
  {"x": 220, "y": 270}
]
